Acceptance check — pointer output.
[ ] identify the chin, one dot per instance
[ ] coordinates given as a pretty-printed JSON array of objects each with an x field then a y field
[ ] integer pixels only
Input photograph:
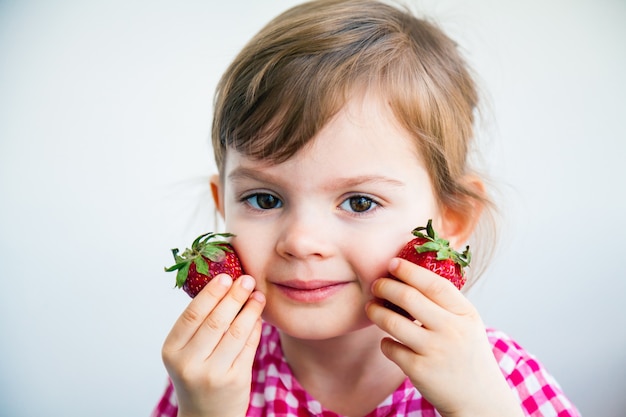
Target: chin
[{"x": 316, "y": 325}]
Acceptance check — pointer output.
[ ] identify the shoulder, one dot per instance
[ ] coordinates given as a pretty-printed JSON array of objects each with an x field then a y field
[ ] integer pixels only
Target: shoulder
[{"x": 537, "y": 389}]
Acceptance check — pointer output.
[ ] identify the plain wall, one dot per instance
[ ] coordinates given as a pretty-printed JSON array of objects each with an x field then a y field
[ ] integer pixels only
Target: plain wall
[{"x": 105, "y": 112}]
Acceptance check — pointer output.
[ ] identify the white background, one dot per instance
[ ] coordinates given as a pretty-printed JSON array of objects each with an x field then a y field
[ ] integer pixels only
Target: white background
[{"x": 105, "y": 110}]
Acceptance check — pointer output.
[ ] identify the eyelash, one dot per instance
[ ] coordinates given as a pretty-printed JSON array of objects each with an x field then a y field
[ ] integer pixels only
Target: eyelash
[
  {"x": 374, "y": 205},
  {"x": 252, "y": 201}
]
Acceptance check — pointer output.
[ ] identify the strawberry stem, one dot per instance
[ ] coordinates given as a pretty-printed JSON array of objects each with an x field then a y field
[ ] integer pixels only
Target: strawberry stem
[
  {"x": 436, "y": 244},
  {"x": 202, "y": 247}
]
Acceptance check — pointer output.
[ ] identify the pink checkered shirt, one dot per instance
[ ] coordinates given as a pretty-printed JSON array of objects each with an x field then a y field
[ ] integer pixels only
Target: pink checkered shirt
[{"x": 276, "y": 393}]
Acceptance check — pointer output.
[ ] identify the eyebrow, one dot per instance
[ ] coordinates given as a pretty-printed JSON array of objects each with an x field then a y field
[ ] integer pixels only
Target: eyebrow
[
  {"x": 242, "y": 173},
  {"x": 365, "y": 179}
]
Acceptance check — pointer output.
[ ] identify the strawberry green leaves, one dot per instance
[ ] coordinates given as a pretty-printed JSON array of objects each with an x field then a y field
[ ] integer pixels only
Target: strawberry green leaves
[
  {"x": 203, "y": 250},
  {"x": 441, "y": 246}
]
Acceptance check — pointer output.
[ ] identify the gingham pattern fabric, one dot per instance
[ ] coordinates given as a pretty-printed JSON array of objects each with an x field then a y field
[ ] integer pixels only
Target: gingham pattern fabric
[{"x": 276, "y": 393}]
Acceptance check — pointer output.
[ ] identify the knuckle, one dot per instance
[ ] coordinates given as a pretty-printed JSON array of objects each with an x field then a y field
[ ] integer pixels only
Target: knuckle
[
  {"x": 255, "y": 335},
  {"x": 384, "y": 287},
  {"x": 408, "y": 297},
  {"x": 239, "y": 297},
  {"x": 215, "y": 321},
  {"x": 378, "y": 287},
  {"x": 239, "y": 294},
  {"x": 180, "y": 366},
  {"x": 236, "y": 332},
  {"x": 189, "y": 374},
  {"x": 389, "y": 322},
  {"x": 437, "y": 287},
  {"x": 167, "y": 356},
  {"x": 190, "y": 316}
]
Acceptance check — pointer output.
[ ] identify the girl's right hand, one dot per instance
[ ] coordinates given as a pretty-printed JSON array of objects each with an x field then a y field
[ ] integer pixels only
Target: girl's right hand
[{"x": 210, "y": 350}]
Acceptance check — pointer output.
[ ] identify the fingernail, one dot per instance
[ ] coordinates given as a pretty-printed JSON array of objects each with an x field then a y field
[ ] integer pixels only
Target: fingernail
[
  {"x": 259, "y": 296},
  {"x": 225, "y": 280},
  {"x": 247, "y": 282},
  {"x": 394, "y": 264}
]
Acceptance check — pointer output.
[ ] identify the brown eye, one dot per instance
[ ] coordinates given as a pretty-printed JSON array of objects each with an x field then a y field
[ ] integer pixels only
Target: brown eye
[
  {"x": 358, "y": 204},
  {"x": 264, "y": 201}
]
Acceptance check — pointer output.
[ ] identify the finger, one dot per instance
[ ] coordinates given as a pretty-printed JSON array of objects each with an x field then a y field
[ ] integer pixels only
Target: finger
[
  {"x": 401, "y": 355},
  {"x": 217, "y": 322},
  {"x": 241, "y": 340},
  {"x": 195, "y": 313},
  {"x": 416, "y": 304},
  {"x": 434, "y": 287},
  {"x": 405, "y": 331},
  {"x": 249, "y": 351}
]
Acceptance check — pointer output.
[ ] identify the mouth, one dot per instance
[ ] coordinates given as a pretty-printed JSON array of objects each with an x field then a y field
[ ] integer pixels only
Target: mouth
[{"x": 310, "y": 291}]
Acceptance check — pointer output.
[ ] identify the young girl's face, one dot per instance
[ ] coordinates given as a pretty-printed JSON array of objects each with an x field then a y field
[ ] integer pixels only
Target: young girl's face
[{"x": 316, "y": 230}]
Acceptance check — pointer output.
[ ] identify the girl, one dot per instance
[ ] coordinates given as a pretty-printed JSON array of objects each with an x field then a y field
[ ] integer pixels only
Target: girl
[{"x": 339, "y": 128}]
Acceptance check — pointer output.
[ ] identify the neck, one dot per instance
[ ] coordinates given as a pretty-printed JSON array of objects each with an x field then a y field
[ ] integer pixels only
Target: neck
[{"x": 347, "y": 374}]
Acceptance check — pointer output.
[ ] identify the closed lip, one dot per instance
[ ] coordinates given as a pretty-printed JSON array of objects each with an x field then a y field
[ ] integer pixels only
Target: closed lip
[
  {"x": 308, "y": 292},
  {"x": 309, "y": 285}
]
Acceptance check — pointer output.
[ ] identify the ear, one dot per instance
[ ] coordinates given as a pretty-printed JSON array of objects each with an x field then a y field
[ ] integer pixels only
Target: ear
[
  {"x": 458, "y": 223},
  {"x": 218, "y": 193}
]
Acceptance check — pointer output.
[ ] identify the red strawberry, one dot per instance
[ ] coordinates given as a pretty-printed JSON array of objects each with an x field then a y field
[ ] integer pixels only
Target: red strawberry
[
  {"x": 434, "y": 253},
  {"x": 206, "y": 259},
  {"x": 431, "y": 252}
]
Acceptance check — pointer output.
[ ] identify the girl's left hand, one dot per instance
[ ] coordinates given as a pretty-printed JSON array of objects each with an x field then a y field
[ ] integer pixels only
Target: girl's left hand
[{"x": 445, "y": 351}]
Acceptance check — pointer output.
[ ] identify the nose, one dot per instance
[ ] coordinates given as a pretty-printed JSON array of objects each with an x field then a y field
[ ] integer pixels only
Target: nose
[{"x": 305, "y": 236}]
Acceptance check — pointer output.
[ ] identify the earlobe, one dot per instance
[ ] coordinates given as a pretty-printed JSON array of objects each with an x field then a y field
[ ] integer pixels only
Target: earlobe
[{"x": 217, "y": 193}]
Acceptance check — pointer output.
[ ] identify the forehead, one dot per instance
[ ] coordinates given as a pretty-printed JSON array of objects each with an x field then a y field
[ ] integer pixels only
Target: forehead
[{"x": 363, "y": 139}]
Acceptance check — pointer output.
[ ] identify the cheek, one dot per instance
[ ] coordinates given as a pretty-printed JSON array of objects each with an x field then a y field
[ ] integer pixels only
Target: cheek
[
  {"x": 251, "y": 250},
  {"x": 370, "y": 262}
]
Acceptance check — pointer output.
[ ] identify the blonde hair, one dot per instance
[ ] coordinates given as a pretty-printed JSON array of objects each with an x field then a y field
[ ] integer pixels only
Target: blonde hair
[{"x": 300, "y": 69}]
